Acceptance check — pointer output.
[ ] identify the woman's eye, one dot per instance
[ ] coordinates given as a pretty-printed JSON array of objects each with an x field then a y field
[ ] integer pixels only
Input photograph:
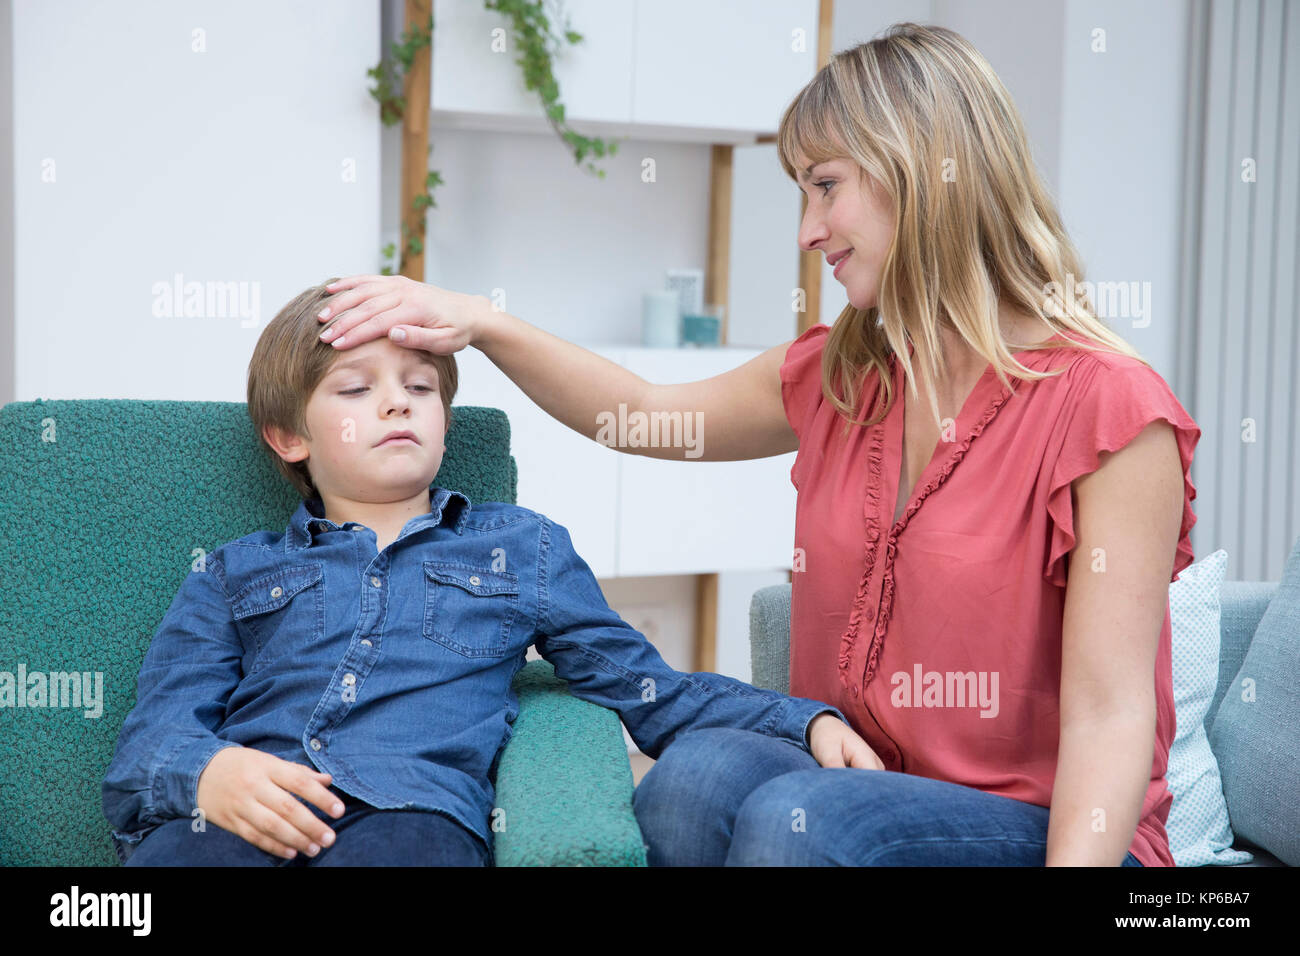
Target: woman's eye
[{"x": 827, "y": 183}]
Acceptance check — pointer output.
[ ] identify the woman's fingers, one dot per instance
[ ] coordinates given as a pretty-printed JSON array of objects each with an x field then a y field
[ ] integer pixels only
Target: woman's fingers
[
  {"x": 353, "y": 291},
  {"x": 367, "y": 320},
  {"x": 349, "y": 282},
  {"x": 443, "y": 340},
  {"x": 344, "y": 298}
]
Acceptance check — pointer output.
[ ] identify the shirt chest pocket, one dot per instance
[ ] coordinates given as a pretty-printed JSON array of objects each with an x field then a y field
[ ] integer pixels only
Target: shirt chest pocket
[
  {"x": 280, "y": 613},
  {"x": 470, "y": 610}
]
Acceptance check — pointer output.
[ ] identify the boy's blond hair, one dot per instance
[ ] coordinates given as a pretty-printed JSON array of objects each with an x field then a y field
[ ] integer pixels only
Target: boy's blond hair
[{"x": 288, "y": 363}]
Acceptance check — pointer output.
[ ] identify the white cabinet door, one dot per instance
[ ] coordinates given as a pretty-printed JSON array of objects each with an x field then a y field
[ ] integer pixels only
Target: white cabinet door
[
  {"x": 691, "y": 517},
  {"x": 570, "y": 479},
  {"x": 721, "y": 64},
  {"x": 470, "y": 77}
]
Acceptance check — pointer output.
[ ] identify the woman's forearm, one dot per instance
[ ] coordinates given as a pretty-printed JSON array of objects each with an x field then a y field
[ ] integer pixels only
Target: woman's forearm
[
  {"x": 743, "y": 406},
  {"x": 570, "y": 383},
  {"x": 1103, "y": 769}
]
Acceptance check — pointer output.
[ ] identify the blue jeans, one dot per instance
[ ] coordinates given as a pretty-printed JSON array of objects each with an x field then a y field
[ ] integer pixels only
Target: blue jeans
[
  {"x": 364, "y": 836},
  {"x": 739, "y": 798}
]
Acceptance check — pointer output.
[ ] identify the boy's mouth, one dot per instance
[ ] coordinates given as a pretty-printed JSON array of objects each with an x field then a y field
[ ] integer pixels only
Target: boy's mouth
[{"x": 401, "y": 437}]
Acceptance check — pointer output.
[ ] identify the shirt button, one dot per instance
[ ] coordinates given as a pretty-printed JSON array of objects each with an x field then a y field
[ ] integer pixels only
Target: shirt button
[
  {"x": 315, "y": 744},
  {"x": 276, "y": 592},
  {"x": 473, "y": 579},
  {"x": 366, "y": 641},
  {"x": 349, "y": 679},
  {"x": 375, "y": 581}
]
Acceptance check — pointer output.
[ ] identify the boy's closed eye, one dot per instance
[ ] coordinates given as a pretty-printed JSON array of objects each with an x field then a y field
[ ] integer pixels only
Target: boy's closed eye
[{"x": 361, "y": 388}]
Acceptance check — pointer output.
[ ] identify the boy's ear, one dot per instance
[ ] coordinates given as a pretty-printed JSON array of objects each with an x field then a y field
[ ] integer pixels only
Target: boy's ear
[{"x": 286, "y": 444}]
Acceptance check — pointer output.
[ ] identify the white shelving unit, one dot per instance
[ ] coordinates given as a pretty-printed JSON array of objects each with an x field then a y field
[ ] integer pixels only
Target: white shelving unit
[{"x": 643, "y": 69}]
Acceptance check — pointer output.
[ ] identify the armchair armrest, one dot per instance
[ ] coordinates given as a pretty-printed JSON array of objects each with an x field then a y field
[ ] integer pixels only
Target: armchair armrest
[{"x": 564, "y": 781}]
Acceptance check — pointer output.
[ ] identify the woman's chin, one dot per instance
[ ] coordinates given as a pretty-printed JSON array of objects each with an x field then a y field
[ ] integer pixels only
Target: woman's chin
[{"x": 860, "y": 300}]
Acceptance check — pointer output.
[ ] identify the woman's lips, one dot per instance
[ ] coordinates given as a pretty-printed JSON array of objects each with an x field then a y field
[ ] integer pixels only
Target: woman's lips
[{"x": 836, "y": 271}]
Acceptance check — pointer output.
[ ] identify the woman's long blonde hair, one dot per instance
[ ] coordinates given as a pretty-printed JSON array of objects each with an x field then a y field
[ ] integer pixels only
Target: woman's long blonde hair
[{"x": 921, "y": 111}]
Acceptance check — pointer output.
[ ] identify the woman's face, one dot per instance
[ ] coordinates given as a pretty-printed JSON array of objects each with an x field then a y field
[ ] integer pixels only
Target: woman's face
[{"x": 846, "y": 214}]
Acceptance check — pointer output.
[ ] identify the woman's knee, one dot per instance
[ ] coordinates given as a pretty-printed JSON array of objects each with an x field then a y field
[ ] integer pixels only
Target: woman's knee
[
  {"x": 803, "y": 818},
  {"x": 717, "y": 763},
  {"x": 686, "y": 802}
]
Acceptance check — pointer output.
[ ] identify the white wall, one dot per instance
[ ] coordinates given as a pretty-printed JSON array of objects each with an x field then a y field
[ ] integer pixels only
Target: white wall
[
  {"x": 1122, "y": 115},
  {"x": 1022, "y": 40},
  {"x": 137, "y": 158},
  {"x": 6, "y": 203}
]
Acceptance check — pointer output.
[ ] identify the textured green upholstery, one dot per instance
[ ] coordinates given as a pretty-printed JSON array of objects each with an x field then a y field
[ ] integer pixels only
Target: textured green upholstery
[{"x": 103, "y": 506}]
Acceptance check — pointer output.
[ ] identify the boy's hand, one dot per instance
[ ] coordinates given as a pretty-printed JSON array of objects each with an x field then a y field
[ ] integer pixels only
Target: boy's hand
[
  {"x": 365, "y": 307},
  {"x": 836, "y": 744},
  {"x": 251, "y": 794}
]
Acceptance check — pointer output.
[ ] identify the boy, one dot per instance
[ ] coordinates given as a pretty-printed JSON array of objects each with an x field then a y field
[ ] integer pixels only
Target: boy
[{"x": 362, "y": 659}]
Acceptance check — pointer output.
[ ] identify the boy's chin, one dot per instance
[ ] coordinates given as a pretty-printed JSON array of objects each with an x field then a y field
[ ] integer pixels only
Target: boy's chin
[{"x": 400, "y": 481}]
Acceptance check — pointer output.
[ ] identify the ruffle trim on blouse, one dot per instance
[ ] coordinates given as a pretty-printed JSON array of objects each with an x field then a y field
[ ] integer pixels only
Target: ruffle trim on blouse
[
  {"x": 1060, "y": 503},
  {"x": 871, "y": 508},
  {"x": 875, "y": 463}
]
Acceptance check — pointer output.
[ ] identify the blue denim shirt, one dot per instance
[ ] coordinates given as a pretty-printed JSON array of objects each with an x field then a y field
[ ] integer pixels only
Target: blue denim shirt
[{"x": 392, "y": 671}]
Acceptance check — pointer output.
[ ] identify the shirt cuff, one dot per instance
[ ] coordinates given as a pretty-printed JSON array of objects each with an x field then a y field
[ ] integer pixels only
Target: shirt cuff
[
  {"x": 176, "y": 788},
  {"x": 800, "y": 715}
]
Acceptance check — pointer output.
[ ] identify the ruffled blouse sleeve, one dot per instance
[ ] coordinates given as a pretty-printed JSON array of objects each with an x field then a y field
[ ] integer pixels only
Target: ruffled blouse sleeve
[
  {"x": 1109, "y": 400},
  {"x": 801, "y": 378}
]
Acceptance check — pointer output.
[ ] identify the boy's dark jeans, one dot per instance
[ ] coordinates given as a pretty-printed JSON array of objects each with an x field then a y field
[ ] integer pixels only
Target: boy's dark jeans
[{"x": 364, "y": 836}]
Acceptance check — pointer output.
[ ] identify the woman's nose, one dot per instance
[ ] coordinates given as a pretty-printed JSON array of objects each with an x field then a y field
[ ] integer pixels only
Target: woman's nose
[{"x": 812, "y": 230}]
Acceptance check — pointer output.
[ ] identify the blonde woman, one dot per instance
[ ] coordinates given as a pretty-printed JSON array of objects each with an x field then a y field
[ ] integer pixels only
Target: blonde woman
[{"x": 993, "y": 497}]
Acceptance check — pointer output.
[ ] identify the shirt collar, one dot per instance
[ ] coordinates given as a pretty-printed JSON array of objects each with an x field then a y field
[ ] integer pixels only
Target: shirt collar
[{"x": 445, "y": 506}]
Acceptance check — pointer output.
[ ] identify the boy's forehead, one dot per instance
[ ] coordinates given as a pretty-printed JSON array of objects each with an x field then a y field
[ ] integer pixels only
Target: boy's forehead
[{"x": 382, "y": 353}]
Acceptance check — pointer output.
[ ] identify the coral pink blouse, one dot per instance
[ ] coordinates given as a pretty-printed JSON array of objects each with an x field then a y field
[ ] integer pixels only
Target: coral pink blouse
[{"x": 939, "y": 636}]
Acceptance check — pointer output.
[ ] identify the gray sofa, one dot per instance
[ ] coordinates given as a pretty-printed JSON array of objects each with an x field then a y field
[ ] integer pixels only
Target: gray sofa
[{"x": 1242, "y": 606}]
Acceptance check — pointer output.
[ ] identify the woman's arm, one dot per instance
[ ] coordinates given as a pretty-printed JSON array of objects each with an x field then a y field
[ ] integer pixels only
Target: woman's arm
[
  {"x": 740, "y": 413},
  {"x": 1127, "y": 520}
]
